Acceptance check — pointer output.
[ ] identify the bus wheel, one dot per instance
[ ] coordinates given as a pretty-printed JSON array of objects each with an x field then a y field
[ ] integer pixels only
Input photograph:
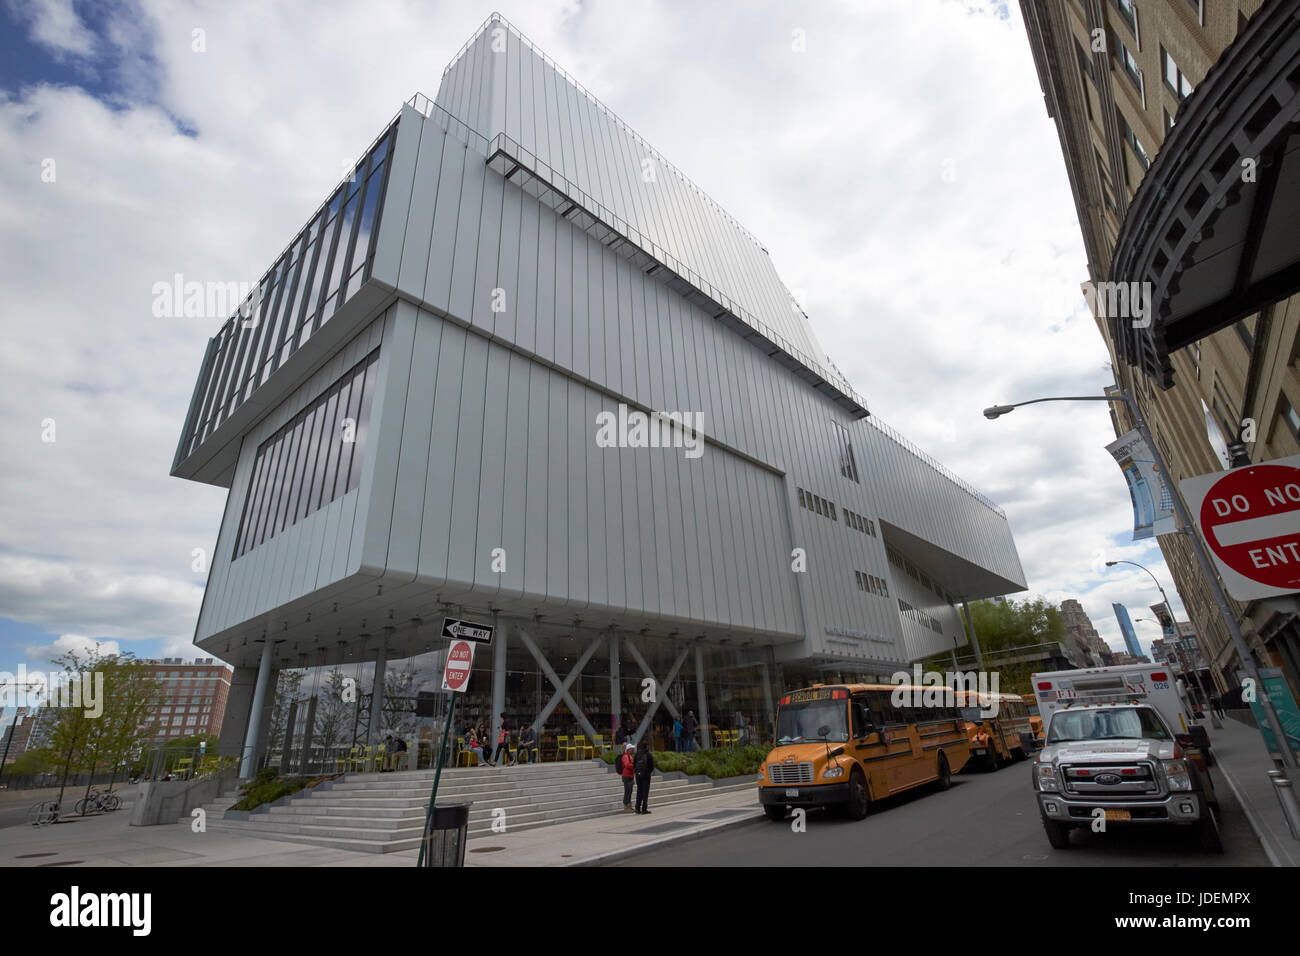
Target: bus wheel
[
  {"x": 859, "y": 803},
  {"x": 992, "y": 763},
  {"x": 776, "y": 813},
  {"x": 945, "y": 775},
  {"x": 1018, "y": 754}
]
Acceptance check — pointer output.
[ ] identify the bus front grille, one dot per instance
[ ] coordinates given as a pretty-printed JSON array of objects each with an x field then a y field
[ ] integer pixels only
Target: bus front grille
[{"x": 792, "y": 773}]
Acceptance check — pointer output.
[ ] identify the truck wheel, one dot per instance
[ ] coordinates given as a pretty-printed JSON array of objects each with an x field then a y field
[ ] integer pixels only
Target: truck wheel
[
  {"x": 945, "y": 775},
  {"x": 776, "y": 813},
  {"x": 859, "y": 803},
  {"x": 1207, "y": 832},
  {"x": 1058, "y": 834}
]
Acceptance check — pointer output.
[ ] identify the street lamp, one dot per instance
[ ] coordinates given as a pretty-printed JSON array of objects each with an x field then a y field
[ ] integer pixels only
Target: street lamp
[
  {"x": 1173, "y": 621},
  {"x": 1202, "y": 558}
]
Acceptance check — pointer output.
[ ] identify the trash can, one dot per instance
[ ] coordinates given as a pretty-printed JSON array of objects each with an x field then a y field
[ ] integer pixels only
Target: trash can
[{"x": 445, "y": 835}]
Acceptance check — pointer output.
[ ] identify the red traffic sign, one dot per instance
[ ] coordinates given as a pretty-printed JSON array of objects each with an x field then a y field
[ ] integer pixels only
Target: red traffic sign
[
  {"x": 460, "y": 661},
  {"x": 1250, "y": 519}
]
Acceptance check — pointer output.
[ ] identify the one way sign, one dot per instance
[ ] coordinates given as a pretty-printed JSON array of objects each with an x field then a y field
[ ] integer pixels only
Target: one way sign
[{"x": 455, "y": 630}]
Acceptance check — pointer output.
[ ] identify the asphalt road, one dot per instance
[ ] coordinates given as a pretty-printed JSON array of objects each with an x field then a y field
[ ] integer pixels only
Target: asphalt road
[{"x": 986, "y": 819}]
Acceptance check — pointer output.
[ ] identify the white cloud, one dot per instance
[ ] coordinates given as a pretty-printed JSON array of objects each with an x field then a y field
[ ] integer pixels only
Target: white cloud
[
  {"x": 54, "y": 24},
  {"x": 935, "y": 298}
]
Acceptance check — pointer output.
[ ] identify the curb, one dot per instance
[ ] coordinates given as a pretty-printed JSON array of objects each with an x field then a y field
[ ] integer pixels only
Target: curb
[
  {"x": 1251, "y": 818},
  {"x": 666, "y": 840}
]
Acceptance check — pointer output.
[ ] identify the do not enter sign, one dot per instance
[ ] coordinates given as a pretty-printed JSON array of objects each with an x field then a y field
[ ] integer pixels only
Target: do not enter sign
[
  {"x": 460, "y": 660},
  {"x": 1250, "y": 518}
]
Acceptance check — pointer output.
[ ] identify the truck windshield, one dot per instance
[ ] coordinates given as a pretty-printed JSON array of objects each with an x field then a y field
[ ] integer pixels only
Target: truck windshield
[
  {"x": 1108, "y": 724},
  {"x": 801, "y": 723}
]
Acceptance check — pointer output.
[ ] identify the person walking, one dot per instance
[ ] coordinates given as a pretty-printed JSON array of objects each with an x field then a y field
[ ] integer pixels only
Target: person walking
[
  {"x": 643, "y": 765},
  {"x": 627, "y": 769},
  {"x": 677, "y": 734},
  {"x": 1216, "y": 706},
  {"x": 503, "y": 742},
  {"x": 689, "y": 729}
]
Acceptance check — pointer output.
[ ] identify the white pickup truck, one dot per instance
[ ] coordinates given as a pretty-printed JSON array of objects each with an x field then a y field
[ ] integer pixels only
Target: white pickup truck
[
  {"x": 1152, "y": 684},
  {"x": 1119, "y": 763}
]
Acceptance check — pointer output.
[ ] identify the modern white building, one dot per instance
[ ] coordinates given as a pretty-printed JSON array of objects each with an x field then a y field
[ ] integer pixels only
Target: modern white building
[{"x": 431, "y": 411}]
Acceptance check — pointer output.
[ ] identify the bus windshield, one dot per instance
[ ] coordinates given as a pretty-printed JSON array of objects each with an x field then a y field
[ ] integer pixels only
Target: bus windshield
[
  {"x": 1119, "y": 723},
  {"x": 821, "y": 720}
]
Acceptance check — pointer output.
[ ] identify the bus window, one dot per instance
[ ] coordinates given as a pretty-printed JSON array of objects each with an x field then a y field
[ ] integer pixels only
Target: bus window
[
  {"x": 813, "y": 720},
  {"x": 861, "y": 725}
]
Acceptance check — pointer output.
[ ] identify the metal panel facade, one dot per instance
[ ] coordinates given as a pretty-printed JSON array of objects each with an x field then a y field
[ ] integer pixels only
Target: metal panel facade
[{"x": 508, "y": 330}]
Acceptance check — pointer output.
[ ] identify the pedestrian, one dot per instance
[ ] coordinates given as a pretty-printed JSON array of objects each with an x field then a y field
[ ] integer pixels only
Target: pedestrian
[
  {"x": 643, "y": 765},
  {"x": 387, "y": 763},
  {"x": 398, "y": 748},
  {"x": 677, "y": 734},
  {"x": 1216, "y": 706},
  {"x": 689, "y": 729},
  {"x": 475, "y": 746},
  {"x": 503, "y": 741},
  {"x": 527, "y": 741},
  {"x": 626, "y": 769}
]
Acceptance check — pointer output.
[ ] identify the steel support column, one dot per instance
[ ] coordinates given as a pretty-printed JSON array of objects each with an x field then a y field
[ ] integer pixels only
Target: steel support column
[
  {"x": 702, "y": 697},
  {"x": 561, "y": 686},
  {"x": 373, "y": 725},
  {"x": 248, "y": 759},
  {"x": 615, "y": 688},
  {"x": 661, "y": 691},
  {"x": 498, "y": 677}
]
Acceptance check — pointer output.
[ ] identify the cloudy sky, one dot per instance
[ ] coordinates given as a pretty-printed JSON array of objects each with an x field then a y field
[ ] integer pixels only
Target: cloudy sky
[{"x": 900, "y": 168}]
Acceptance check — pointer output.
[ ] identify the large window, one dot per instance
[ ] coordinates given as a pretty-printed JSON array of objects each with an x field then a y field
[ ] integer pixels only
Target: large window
[
  {"x": 312, "y": 460},
  {"x": 848, "y": 464},
  {"x": 1129, "y": 62},
  {"x": 1175, "y": 78},
  {"x": 322, "y": 268}
]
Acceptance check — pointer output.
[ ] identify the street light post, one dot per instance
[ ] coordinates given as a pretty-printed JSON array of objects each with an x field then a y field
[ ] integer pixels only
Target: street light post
[
  {"x": 1169, "y": 610},
  {"x": 1207, "y": 571}
]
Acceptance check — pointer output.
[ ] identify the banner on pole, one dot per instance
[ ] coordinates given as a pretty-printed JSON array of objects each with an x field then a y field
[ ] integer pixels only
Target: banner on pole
[{"x": 1153, "y": 504}]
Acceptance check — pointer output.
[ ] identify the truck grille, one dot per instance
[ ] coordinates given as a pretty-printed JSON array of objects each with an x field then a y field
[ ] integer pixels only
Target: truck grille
[
  {"x": 1111, "y": 780},
  {"x": 791, "y": 772}
]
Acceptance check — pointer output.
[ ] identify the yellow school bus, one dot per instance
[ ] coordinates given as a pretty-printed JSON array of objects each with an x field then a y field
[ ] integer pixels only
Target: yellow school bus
[
  {"x": 1035, "y": 721},
  {"x": 1000, "y": 737},
  {"x": 846, "y": 745}
]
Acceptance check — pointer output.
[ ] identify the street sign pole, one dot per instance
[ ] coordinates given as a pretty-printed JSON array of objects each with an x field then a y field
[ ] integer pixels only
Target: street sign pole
[
  {"x": 1220, "y": 599},
  {"x": 433, "y": 796}
]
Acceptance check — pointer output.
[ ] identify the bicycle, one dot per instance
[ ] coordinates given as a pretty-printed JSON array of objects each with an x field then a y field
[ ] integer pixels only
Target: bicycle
[
  {"x": 44, "y": 813},
  {"x": 98, "y": 802}
]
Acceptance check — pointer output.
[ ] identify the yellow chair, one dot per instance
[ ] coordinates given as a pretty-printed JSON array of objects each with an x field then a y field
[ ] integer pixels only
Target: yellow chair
[
  {"x": 463, "y": 753},
  {"x": 377, "y": 760},
  {"x": 584, "y": 747},
  {"x": 599, "y": 742},
  {"x": 347, "y": 762},
  {"x": 562, "y": 747},
  {"x": 184, "y": 767}
]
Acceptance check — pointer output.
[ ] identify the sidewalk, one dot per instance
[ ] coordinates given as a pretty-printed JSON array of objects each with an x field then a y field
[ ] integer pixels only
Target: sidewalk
[
  {"x": 1241, "y": 762},
  {"x": 108, "y": 840}
]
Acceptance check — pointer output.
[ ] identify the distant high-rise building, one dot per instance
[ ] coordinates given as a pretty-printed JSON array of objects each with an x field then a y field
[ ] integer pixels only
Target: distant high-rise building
[{"x": 1126, "y": 629}]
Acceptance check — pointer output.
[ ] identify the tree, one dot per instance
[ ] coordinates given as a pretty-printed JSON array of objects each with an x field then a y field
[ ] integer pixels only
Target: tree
[
  {"x": 1003, "y": 626},
  {"x": 398, "y": 718},
  {"x": 333, "y": 713},
  {"x": 114, "y": 716},
  {"x": 287, "y": 685}
]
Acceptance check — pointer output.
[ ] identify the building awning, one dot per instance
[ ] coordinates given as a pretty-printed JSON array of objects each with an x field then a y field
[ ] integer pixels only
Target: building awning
[{"x": 1215, "y": 224}]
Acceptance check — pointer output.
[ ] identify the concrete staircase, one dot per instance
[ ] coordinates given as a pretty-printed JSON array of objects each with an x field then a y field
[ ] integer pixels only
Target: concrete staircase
[{"x": 383, "y": 813}]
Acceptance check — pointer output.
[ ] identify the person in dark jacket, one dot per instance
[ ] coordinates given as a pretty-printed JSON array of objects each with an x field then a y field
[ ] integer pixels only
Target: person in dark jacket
[
  {"x": 643, "y": 766},
  {"x": 625, "y": 770}
]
